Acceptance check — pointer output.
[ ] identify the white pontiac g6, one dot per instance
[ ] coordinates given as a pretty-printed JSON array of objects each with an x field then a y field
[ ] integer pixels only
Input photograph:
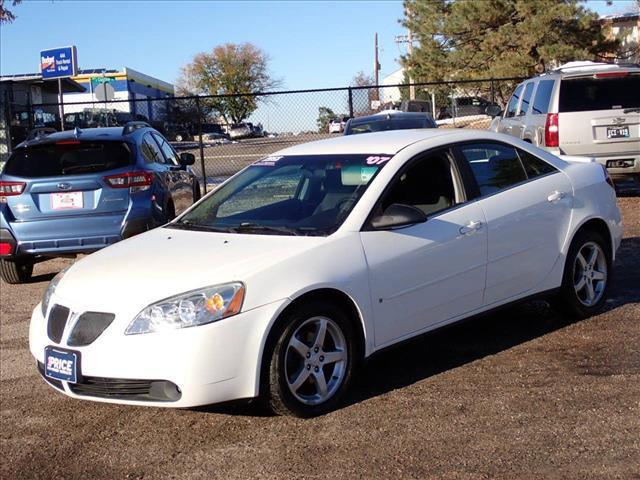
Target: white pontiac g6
[{"x": 280, "y": 282}]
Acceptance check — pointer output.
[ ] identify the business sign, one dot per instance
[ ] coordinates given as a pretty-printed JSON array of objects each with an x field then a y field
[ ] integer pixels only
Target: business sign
[
  {"x": 59, "y": 63},
  {"x": 96, "y": 81}
]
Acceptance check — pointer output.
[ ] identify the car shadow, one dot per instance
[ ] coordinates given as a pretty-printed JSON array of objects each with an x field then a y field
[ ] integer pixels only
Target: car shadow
[
  {"x": 464, "y": 342},
  {"x": 45, "y": 277}
]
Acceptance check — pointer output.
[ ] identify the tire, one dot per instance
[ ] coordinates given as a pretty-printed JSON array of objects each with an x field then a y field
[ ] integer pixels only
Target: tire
[
  {"x": 16, "y": 271},
  {"x": 575, "y": 298},
  {"x": 302, "y": 361}
]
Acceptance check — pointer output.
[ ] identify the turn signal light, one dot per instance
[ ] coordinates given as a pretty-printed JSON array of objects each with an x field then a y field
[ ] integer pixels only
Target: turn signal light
[
  {"x": 130, "y": 179},
  {"x": 8, "y": 189},
  {"x": 552, "y": 131}
]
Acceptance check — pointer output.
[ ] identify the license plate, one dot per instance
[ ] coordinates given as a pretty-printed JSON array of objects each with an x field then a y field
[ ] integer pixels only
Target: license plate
[
  {"x": 61, "y": 364},
  {"x": 66, "y": 201},
  {"x": 617, "y": 132}
]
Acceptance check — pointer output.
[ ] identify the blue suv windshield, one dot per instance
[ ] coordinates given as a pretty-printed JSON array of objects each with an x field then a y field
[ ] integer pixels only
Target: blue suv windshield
[{"x": 308, "y": 195}]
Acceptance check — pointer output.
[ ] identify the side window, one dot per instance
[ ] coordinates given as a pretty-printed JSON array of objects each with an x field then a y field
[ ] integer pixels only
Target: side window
[
  {"x": 150, "y": 150},
  {"x": 543, "y": 96},
  {"x": 171, "y": 158},
  {"x": 534, "y": 166},
  {"x": 427, "y": 185},
  {"x": 526, "y": 99},
  {"x": 495, "y": 166},
  {"x": 512, "y": 107}
]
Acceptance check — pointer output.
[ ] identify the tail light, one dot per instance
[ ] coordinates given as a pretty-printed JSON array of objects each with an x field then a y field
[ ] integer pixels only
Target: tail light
[
  {"x": 551, "y": 131},
  {"x": 139, "y": 180},
  {"x": 8, "y": 189},
  {"x": 607, "y": 177},
  {"x": 6, "y": 248},
  {"x": 611, "y": 74}
]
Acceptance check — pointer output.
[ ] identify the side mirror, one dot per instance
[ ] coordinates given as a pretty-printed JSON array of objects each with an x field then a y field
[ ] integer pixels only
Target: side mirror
[
  {"x": 187, "y": 158},
  {"x": 399, "y": 215},
  {"x": 493, "y": 110}
]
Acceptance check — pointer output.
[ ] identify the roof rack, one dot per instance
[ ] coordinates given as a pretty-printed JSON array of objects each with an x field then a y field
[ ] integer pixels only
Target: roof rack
[{"x": 131, "y": 127}]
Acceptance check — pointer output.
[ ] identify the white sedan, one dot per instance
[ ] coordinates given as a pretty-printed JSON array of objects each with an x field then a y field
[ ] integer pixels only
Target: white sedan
[{"x": 279, "y": 283}]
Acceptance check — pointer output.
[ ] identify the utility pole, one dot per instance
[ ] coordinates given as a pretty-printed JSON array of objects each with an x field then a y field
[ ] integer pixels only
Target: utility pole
[
  {"x": 376, "y": 69},
  {"x": 408, "y": 39}
]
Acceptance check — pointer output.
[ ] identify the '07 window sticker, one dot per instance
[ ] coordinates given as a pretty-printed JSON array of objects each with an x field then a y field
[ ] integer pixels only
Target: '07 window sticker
[{"x": 377, "y": 160}]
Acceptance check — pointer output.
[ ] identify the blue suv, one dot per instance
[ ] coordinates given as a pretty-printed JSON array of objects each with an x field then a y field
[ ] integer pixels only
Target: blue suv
[{"x": 82, "y": 190}]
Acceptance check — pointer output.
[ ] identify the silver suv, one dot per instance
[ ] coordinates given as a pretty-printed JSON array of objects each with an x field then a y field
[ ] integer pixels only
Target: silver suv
[{"x": 582, "y": 108}]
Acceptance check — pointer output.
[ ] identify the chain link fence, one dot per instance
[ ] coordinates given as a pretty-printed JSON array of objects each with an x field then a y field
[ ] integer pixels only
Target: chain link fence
[{"x": 228, "y": 132}]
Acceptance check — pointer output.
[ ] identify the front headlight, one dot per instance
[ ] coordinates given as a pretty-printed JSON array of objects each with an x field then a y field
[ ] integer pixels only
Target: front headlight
[
  {"x": 189, "y": 309},
  {"x": 50, "y": 289}
]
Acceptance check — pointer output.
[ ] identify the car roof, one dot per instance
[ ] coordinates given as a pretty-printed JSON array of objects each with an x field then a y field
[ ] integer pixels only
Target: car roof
[
  {"x": 579, "y": 69},
  {"x": 389, "y": 142},
  {"x": 86, "y": 134}
]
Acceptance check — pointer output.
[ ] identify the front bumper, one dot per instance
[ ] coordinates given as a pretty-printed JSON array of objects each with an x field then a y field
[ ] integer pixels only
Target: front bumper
[{"x": 208, "y": 364}]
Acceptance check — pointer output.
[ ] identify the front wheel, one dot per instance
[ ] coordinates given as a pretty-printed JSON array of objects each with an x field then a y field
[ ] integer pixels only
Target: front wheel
[
  {"x": 16, "y": 271},
  {"x": 313, "y": 361},
  {"x": 586, "y": 276}
]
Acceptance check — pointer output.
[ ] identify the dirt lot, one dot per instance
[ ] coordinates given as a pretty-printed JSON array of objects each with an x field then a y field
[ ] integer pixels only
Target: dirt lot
[{"x": 521, "y": 394}]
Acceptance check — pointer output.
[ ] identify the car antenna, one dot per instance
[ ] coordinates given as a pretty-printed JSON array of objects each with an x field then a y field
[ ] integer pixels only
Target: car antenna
[{"x": 76, "y": 132}]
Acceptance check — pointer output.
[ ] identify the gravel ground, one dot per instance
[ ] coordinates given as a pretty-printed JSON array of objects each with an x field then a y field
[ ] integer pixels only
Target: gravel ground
[{"x": 520, "y": 394}]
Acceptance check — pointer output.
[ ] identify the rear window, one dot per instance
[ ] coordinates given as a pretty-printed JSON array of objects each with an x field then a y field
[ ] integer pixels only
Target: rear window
[
  {"x": 56, "y": 159},
  {"x": 583, "y": 94},
  {"x": 392, "y": 124}
]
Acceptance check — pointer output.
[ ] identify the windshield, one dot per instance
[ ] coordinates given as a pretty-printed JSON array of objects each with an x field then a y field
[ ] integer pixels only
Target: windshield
[
  {"x": 68, "y": 157},
  {"x": 390, "y": 124},
  {"x": 290, "y": 195}
]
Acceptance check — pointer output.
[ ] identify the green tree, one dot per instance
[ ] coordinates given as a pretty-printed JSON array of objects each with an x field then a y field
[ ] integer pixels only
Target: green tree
[
  {"x": 461, "y": 39},
  {"x": 230, "y": 71}
]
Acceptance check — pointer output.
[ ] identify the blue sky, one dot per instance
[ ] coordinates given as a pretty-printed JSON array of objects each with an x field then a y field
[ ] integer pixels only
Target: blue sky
[{"x": 312, "y": 44}]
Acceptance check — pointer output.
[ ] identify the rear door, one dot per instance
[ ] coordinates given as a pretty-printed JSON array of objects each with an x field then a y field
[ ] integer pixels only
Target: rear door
[
  {"x": 596, "y": 116},
  {"x": 67, "y": 179},
  {"x": 510, "y": 123},
  {"x": 527, "y": 204}
]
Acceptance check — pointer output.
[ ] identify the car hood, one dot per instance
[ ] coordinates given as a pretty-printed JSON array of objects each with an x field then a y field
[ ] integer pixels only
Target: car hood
[{"x": 165, "y": 262}]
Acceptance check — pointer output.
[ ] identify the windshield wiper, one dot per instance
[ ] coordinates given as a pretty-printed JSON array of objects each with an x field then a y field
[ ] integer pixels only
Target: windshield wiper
[
  {"x": 257, "y": 227},
  {"x": 188, "y": 225},
  {"x": 629, "y": 110}
]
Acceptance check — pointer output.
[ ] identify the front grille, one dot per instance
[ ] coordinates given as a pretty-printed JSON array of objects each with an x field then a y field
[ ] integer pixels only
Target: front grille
[
  {"x": 51, "y": 381},
  {"x": 89, "y": 327},
  {"x": 127, "y": 389},
  {"x": 57, "y": 321}
]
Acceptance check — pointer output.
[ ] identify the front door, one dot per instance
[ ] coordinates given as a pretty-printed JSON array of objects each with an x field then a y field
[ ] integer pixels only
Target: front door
[{"x": 422, "y": 275}]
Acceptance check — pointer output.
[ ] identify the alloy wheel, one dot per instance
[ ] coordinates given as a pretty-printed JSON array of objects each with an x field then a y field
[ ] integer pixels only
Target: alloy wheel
[
  {"x": 316, "y": 360},
  {"x": 590, "y": 274}
]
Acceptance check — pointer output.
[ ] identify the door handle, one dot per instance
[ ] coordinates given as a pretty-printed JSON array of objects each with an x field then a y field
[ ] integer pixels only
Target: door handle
[
  {"x": 555, "y": 196},
  {"x": 471, "y": 227}
]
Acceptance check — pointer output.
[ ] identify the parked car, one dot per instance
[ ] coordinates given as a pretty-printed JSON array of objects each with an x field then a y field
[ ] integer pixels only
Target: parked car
[
  {"x": 582, "y": 108},
  {"x": 464, "y": 107},
  {"x": 239, "y": 130},
  {"x": 79, "y": 191},
  {"x": 389, "y": 120},
  {"x": 286, "y": 277},
  {"x": 337, "y": 125}
]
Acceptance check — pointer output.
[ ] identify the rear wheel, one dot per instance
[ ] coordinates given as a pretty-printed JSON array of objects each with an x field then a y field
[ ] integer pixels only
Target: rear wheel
[
  {"x": 16, "y": 271},
  {"x": 313, "y": 361},
  {"x": 586, "y": 276}
]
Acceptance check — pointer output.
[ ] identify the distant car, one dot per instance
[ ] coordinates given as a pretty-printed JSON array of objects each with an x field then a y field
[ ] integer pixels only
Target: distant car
[
  {"x": 389, "y": 120},
  {"x": 582, "y": 108},
  {"x": 78, "y": 191},
  {"x": 240, "y": 130},
  {"x": 464, "y": 107},
  {"x": 284, "y": 279},
  {"x": 337, "y": 125}
]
